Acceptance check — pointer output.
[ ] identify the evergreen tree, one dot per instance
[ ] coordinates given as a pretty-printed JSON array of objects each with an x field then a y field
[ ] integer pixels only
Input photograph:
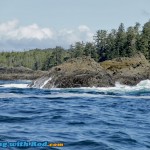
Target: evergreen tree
[
  {"x": 131, "y": 42},
  {"x": 120, "y": 41},
  {"x": 57, "y": 55},
  {"x": 106, "y": 46},
  {"x": 78, "y": 49},
  {"x": 145, "y": 40},
  {"x": 110, "y": 47},
  {"x": 90, "y": 50},
  {"x": 100, "y": 43},
  {"x": 138, "y": 36}
]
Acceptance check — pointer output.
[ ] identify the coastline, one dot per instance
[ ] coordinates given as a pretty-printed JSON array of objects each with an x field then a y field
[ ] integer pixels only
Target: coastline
[
  {"x": 84, "y": 72},
  {"x": 19, "y": 73}
]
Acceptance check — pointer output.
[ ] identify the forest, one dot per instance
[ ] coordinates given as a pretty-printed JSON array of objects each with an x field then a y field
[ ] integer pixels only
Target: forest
[{"x": 106, "y": 45}]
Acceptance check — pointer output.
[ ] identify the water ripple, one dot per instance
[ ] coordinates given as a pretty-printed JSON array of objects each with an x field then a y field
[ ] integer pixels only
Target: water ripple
[{"x": 82, "y": 118}]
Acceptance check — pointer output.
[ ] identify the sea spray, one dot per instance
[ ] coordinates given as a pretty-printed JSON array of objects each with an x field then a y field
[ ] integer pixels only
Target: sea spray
[
  {"x": 40, "y": 83},
  {"x": 45, "y": 82},
  {"x": 122, "y": 89}
]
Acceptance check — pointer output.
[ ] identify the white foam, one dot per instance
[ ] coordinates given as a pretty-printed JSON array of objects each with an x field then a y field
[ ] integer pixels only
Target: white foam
[
  {"x": 45, "y": 83},
  {"x": 144, "y": 83},
  {"x": 119, "y": 88},
  {"x": 11, "y": 95},
  {"x": 70, "y": 95},
  {"x": 14, "y": 85}
]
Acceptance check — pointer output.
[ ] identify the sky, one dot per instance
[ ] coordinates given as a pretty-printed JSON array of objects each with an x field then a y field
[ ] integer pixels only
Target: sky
[{"x": 29, "y": 24}]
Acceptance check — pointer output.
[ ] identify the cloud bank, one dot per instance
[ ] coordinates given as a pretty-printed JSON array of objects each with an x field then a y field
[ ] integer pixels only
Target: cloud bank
[{"x": 13, "y": 36}]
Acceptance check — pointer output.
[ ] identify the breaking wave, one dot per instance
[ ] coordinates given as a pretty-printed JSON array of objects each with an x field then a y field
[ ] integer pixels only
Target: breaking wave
[
  {"x": 119, "y": 88},
  {"x": 14, "y": 85},
  {"x": 143, "y": 86}
]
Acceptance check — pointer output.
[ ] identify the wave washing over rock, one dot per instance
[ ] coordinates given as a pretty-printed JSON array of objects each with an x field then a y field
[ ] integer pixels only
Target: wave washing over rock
[
  {"x": 143, "y": 86},
  {"x": 120, "y": 89},
  {"x": 41, "y": 83}
]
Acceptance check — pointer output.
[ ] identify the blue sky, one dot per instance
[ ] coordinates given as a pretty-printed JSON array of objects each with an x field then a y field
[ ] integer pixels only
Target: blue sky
[{"x": 26, "y": 24}]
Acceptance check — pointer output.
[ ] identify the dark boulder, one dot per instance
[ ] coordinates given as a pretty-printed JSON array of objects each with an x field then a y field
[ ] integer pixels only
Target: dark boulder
[{"x": 79, "y": 72}]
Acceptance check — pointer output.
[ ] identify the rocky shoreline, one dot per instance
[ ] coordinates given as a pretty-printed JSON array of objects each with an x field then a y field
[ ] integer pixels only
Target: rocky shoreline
[
  {"x": 128, "y": 71},
  {"x": 85, "y": 72},
  {"x": 19, "y": 73}
]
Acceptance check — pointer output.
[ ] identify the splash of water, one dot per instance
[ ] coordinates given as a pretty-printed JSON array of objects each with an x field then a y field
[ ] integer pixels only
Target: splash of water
[
  {"x": 119, "y": 88},
  {"x": 143, "y": 85},
  {"x": 42, "y": 86}
]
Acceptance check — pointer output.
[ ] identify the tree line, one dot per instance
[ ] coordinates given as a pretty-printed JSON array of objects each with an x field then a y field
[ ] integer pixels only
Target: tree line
[{"x": 106, "y": 45}]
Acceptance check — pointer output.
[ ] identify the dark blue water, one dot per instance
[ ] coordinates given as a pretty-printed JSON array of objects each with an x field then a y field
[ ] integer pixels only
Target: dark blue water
[{"x": 82, "y": 119}]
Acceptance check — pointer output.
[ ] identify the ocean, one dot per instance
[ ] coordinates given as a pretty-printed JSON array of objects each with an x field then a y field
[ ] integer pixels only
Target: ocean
[{"x": 110, "y": 118}]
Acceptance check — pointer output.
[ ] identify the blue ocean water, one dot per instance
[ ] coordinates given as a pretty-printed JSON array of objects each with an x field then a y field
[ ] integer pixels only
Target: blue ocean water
[{"x": 115, "y": 118}]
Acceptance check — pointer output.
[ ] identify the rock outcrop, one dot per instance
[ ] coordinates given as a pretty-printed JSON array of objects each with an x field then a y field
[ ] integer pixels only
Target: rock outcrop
[
  {"x": 129, "y": 71},
  {"x": 79, "y": 72},
  {"x": 19, "y": 73},
  {"x": 85, "y": 72}
]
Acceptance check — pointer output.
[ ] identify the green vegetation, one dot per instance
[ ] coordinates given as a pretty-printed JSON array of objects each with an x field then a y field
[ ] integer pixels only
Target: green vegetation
[
  {"x": 35, "y": 59},
  {"x": 106, "y": 46}
]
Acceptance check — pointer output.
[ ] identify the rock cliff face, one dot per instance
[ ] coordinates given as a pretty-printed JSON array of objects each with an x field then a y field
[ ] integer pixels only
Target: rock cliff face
[
  {"x": 128, "y": 71},
  {"x": 85, "y": 72},
  {"x": 79, "y": 72}
]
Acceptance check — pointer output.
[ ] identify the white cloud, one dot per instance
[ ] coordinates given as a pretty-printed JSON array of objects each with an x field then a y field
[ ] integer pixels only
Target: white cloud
[
  {"x": 8, "y": 26},
  {"x": 83, "y": 28},
  {"x": 11, "y": 30},
  {"x": 13, "y": 36},
  {"x": 32, "y": 32}
]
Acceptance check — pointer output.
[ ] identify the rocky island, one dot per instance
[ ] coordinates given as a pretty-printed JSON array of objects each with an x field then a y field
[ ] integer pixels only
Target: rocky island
[{"x": 85, "y": 72}]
